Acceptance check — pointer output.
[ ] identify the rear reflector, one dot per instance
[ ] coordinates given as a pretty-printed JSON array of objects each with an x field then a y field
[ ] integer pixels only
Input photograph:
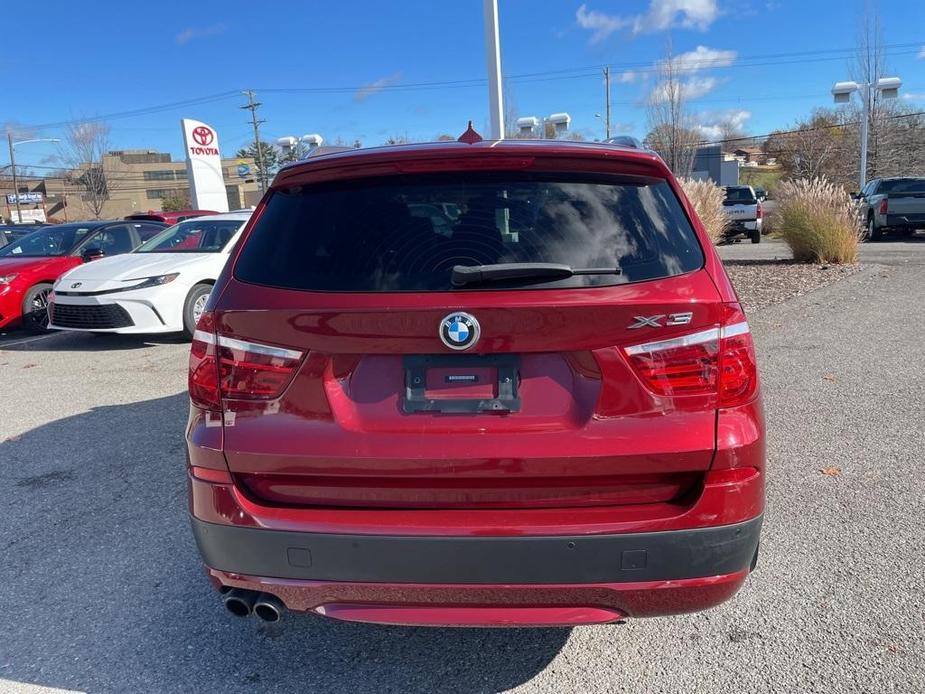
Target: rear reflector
[
  {"x": 718, "y": 360},
  {"x": 884, "y": 206},
  {"x": 226, "y": 367}
]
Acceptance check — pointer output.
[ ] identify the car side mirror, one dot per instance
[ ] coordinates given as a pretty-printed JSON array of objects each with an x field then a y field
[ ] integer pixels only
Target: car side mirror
[{"x": 93, "y": 253}]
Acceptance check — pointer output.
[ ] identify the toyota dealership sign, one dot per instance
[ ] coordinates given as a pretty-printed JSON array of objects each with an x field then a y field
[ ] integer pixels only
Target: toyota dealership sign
[{"x": 204, "y": 166}]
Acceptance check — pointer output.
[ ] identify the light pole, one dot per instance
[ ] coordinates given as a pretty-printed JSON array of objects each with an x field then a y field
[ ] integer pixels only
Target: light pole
[
  {"x": 841, "y": 93},
  {"x": 9, "y": 139},
  {"x": 493, "y": 60}
]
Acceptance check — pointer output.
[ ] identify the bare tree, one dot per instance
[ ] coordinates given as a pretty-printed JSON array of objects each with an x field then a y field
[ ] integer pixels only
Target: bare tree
[
  {"x": 821, "y": 145},
  {"x": 671, "y": 131},
  {"x": 83, "y": 151}
]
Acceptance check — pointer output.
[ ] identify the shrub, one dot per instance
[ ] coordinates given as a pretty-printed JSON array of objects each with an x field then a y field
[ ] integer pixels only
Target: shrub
[
  {"x": 707, "y": 199},
  {"x": 819, "y": 221}
]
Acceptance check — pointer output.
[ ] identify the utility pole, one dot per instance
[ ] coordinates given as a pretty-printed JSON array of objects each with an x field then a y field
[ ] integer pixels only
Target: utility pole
[
  {"x": 9, "y": 139},
  {"x": 252, "y": 106},
  {"x": 607, "y": 101},
  {"x": 493, "y": 58}
]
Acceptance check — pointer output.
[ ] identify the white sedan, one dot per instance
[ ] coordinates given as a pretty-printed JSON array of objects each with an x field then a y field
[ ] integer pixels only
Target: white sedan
[{"x": 161, "y": 287}]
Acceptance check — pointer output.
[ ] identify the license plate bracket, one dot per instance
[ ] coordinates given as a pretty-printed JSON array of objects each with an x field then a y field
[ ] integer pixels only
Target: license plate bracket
[{"x": 506, "y": 392}]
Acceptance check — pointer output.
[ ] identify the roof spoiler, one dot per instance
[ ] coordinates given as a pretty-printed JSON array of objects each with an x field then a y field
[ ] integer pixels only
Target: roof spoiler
[{"x": 624, "y": 141}]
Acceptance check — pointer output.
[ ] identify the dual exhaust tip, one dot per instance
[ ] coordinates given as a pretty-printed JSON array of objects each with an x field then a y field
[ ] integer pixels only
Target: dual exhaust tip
[{"x": 243, "y": 603}]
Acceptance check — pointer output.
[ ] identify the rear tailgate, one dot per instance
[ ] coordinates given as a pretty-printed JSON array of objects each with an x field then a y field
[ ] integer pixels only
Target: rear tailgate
[
  {"x": 909, "y": 206},
  {"x": 380, "y": 412},
  {"x": 738, "y": 212},
  {"x": 587, "y": 430}
]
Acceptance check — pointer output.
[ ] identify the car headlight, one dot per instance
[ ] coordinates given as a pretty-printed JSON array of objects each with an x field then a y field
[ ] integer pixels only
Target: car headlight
[
  {"x": 152, "y": 281},
  {"x": 6, "y": 279}
]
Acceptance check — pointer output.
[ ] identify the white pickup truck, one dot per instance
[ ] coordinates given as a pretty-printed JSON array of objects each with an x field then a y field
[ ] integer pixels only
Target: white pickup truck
[{"x": 743, "y": 209}]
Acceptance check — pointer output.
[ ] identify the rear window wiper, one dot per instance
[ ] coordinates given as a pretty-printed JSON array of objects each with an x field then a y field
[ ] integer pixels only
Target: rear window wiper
[{"x": 501, "y": 272}]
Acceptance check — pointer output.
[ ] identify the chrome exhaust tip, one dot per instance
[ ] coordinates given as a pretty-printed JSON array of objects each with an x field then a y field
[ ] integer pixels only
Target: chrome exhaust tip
[{"x": 239, "y": 602}]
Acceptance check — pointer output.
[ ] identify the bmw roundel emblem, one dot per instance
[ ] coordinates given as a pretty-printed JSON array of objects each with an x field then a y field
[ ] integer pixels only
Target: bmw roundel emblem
[{"x": 459, "y": 331}]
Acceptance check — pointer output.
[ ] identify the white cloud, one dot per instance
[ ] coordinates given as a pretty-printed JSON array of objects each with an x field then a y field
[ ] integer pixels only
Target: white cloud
[
  {"x": 686, "y": 65},
  {"x": 914, "y": 96},
  {"x": 922, "y": 53},
  {"x": 692, "y": 88},
  {"x": 370, "y": 88},
  {"x": 601, "y": 25},
  {"x": 191, "y": 33},
  {"x": 661, "y": 15},
  {"x": 712, "y": 124},
  {"x": 627, "y": 76},
  {"x": 702, "y": 58}
]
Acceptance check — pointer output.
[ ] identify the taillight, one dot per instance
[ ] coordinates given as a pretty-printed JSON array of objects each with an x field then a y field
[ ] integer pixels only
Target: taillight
[
  {"x": 759, "y": 211},
  {"x": 226, "y": 367},
  {"x": 884, "y": 206},
  {"x": 203, "y": 366},
  {"x": 254, "y": 371},
  {"x": 718, "y": 360}
]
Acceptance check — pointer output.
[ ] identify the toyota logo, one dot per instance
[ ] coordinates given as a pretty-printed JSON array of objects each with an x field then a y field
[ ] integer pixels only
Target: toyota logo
[{"x": 203, "y": 135}]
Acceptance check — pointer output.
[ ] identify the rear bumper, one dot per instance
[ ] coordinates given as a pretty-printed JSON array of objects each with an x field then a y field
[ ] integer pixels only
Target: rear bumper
[
  {"x": 484, "y": 581},
  {"x": 491, "y": 605},
  {"x": 629, "y": 557},
  {"x": 903, "y": 221},
  {"x": 739, "y": 227}
]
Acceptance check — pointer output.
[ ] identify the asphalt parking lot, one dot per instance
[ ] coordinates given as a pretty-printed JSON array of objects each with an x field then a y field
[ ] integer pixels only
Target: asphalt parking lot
[{"x": 102, "y": 591}]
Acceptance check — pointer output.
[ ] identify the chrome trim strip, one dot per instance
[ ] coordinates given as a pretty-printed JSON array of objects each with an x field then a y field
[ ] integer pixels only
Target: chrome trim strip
[
  {"x": 203, "y": 336},
  {"x": 255, "y": 348},
  {"x": 675, "y": 342},
  {"x": 736, "y": 329}
]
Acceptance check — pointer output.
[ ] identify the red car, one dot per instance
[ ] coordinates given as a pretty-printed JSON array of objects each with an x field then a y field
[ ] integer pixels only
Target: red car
[
  {"x": 545, "y": 411},
  {"x": 30, "y": 266},
  {"x": 170, "y": 217}
]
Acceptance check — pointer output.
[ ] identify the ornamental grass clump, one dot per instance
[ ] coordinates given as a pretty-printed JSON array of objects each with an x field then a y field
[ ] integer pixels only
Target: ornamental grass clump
[
  {"x": 707, "y": 199},
  {"x": 819, "y": 221}
]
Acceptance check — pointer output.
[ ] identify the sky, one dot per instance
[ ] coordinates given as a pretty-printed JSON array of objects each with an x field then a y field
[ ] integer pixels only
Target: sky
[{"x": 416, "y": 68}]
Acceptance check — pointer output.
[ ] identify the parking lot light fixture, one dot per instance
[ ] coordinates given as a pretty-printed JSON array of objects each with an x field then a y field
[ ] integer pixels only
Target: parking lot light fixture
[
  {"x": 888, "y": 87},
  {"x": 13, "y": 144}
]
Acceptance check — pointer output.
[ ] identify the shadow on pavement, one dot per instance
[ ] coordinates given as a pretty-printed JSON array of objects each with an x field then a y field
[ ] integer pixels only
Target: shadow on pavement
[
  {"x": 64, "y": 341},
  {"x": 102, "y": 589}
]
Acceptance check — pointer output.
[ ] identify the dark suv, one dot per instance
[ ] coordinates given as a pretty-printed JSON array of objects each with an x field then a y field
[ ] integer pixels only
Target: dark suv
[{"x": 545, "y": 411}]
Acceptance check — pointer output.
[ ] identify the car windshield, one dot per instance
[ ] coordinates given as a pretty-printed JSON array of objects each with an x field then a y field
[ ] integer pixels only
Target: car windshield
[
  {"x": 51, "y": 241},
  {"x": 193, "y": 236},
  {"x": 395, "y": 234},
  {"x": 903, "y": 185},
  {"x": 740, "y": 195}
]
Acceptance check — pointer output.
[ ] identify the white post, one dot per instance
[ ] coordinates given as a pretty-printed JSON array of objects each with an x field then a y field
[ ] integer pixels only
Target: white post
[
  {"x": 865, "y": 117},
  {"x": 493, "y": 58}
]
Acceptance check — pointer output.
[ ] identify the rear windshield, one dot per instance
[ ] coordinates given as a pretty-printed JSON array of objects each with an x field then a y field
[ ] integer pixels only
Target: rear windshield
[
  {"x": 408, "y": 233},
  {"x": 193, "y": 237},
  {"x": 903, "y": 185},
  {"x": 740, "y": 195}
]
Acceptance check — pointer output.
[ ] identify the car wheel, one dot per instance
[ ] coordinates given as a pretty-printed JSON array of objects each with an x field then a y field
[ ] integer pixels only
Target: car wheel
[
  {"x": 873, "y": 233},
  {"x": 35, "y": 308},
  {"x": 195, "y": 306},
  {"x": 756, "y": 236}
]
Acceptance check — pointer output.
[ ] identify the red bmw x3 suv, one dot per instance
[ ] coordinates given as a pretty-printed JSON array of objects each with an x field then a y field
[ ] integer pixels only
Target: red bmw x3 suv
[{"x": 497, "y": 383}]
